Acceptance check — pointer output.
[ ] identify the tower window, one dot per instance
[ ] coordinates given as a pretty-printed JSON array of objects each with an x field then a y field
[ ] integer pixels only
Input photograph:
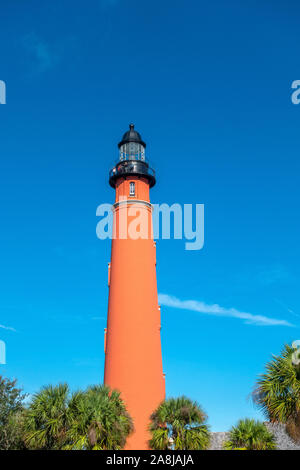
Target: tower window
[{"x": 132, "y": 189}]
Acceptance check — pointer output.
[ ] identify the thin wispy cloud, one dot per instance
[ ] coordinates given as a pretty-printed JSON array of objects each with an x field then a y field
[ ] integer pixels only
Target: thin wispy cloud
[
  {"x": 10, "y": 328},
  {"x": 288, "y": 309},
  {"x": 217, "y": 310},
  {"x": 40, "y": 54}
]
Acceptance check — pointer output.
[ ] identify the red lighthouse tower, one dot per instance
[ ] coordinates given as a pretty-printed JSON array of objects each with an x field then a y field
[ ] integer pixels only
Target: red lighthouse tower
[{"x": 133, "y": 360}]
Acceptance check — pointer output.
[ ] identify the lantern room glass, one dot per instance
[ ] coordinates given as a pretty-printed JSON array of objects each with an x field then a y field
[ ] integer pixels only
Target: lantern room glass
[{"x": 132, "y": 151}]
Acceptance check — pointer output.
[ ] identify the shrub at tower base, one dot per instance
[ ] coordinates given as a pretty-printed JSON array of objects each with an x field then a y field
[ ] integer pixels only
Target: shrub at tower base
[
  {"x": 179, "y": 424},
  {"x": 249, "y": 434},
  {"x": 95, "y": 419},
  {"x": 277, "y": 392}
]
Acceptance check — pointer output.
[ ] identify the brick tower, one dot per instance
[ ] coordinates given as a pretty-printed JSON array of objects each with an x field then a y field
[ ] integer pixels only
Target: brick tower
[{"x": 133, "y": 360}]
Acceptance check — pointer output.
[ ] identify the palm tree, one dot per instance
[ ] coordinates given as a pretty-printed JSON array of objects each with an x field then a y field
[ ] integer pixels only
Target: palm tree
[
  {"x": 179, "y": 424},
  {"x": 46, "y": 420},
  {"x": 277, "y": 392},
  {"x": 95, "y": 419},
  {"x": 98, "y": 420},
  {"x": 249, "y": 434}
]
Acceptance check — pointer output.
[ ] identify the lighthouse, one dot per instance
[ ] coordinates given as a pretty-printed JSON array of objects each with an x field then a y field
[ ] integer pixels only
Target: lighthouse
[{"x": 132, "y": 343}]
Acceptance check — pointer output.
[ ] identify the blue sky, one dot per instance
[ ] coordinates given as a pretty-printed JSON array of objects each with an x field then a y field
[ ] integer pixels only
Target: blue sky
[{"x": 208, "y": 84}]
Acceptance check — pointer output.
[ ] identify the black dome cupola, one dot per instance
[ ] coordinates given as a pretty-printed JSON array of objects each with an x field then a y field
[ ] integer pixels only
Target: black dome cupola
[
  {"x": 131, "y": 136},
  {"x": 131, "y": 146},
  {"x": 132, "y": 159}
]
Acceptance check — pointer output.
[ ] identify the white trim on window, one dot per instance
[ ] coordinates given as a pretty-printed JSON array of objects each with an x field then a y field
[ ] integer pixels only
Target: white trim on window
[{"x": 131, "y": 188}]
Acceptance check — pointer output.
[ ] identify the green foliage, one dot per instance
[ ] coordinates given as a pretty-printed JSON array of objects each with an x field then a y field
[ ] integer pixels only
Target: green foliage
[
  {"x": 92, "y": 420},
  {"x": 277, "y": 392},
  {"x": 46, "y": 419},
  {"x": 11, "y": 415},
  {"x": 179, "y": 424},
  {"x": 249, "y": 434},
  {"x": 98, "y": 420}
]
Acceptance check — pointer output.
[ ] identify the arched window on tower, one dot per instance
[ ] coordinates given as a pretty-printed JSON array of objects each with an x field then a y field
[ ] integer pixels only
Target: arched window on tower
[{"x": 131, "y": 189}]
